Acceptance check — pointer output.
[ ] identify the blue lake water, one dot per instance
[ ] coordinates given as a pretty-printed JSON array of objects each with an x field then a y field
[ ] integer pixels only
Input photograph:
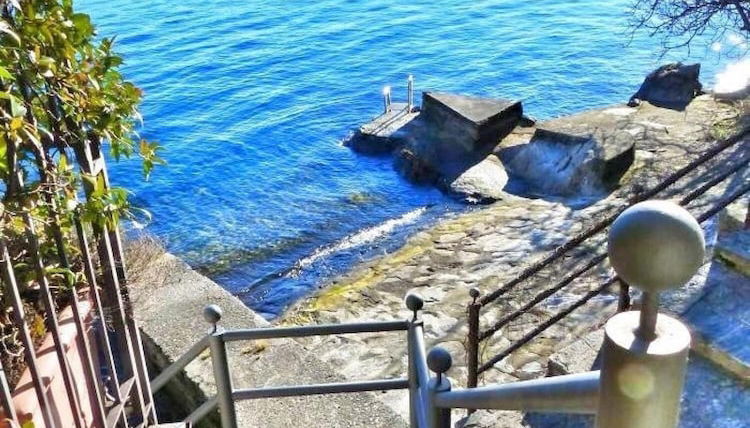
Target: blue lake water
[{"x": 252, "y": 99}]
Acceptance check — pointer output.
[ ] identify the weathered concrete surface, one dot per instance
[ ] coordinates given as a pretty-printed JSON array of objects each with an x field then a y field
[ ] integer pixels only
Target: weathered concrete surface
[
  {"x": 571, "y": 157},
  {"x": 168, "y": 300},
  {"x": 469, "y": 121},
  {"x": 735, "y": 250},
  {"x": 488, "y": 246},
  {"x": 385, "y": 132},
  {"x": 459, "y": 131}
]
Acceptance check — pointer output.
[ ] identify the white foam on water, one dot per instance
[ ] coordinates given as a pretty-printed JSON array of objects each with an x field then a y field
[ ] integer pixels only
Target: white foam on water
[
  {"x": 734, "y": 78},
  {"x": 362, "y": 237}
]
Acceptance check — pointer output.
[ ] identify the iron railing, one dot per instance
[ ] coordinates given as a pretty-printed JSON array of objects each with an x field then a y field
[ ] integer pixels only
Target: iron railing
[
  {"x": 227, "y": 395},
  {"x": 476, "y": 335},
  {"x": 113, "y": 362},
  {"x": 120, "y": 382}
]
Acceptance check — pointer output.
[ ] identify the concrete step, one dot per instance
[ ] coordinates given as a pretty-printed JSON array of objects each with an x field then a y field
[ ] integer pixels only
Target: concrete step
[
  {"x": 720, "y": 320},
  {"x": 168, "y": 302}
]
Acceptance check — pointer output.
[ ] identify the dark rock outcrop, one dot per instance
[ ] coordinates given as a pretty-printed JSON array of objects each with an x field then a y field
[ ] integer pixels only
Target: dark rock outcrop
[{"x": 670, "y": 86}]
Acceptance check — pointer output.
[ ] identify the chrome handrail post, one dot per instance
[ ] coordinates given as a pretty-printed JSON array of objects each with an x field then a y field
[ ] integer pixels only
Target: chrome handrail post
[
  {"x": 223, "y": 378},
  {"x": 439, "y": 361},
  {"x": 416, "y": 408},
  {"x": 654, "y": 246}
]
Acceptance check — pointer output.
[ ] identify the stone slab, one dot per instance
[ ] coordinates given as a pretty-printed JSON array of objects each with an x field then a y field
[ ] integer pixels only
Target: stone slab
[
  {"x": 466, "y": 122},
  {"x": 722, "y": 316},
  {"x": 477, "y": 110},
  {"x": 735, "y": 250}
]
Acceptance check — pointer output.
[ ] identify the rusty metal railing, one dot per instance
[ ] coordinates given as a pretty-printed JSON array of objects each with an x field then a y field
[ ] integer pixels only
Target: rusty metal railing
[
  {"x": 120, "y": 396},
  {"x": 477, "y": 335}
]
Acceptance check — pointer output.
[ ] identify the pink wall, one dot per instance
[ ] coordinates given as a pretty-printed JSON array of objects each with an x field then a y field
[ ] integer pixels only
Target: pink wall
[{"x": 24, "y": 396}]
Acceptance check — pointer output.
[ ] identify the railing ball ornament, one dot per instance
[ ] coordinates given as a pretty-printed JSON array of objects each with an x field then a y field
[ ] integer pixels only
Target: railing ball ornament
[
  {"x": 474, "y": 293},
  {"x": 212, "y": 314},
  {"x": 439, "y": 360},
  {"x": 414, "y": 303},
  {"x": 653, "y": 245},
  {"x": 656, "y": 245}
]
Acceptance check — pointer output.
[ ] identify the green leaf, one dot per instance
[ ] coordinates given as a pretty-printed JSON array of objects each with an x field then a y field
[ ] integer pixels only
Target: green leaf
[
  {"x": 82, "y": 22},
  {"x": 5, "y": 74},
  {"x": 3, "y": 157},
  {"x": 17, "y": 108},
  {"x": 5, "y": 28}
]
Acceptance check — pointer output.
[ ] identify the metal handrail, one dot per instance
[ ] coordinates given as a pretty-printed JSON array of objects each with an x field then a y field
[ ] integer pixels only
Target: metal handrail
[
  {"x": 314, "y": 330},
  {"x": 167, "y": 374},
  {"x": 476, "y": 335},
  {"x": 226, "y": 395},
  {"x": 575, "y": 393},
  {"x": 319, "y": 389}
]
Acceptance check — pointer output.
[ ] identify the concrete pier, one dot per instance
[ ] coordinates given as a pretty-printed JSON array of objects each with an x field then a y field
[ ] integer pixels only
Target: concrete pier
[{"x": 385, "y": 132}]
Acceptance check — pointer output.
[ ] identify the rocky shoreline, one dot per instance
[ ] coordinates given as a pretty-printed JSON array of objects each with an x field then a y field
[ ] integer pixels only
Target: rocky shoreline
[{"x": 492, "y": 244}]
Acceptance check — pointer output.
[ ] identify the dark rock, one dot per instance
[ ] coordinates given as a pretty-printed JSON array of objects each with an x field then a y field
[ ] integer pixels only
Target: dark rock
[
  {"x": 371, "y": 144},
  {"x": 671, "y": 86},
  {"x": 415, "y": 168}
]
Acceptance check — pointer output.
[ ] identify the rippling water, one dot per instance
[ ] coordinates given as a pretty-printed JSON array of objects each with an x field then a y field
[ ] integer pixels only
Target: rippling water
[{"x": 252, "y": 99}]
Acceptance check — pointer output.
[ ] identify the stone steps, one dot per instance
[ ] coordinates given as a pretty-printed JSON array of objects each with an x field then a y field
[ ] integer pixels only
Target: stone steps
[{"x": 168, "y": 301}]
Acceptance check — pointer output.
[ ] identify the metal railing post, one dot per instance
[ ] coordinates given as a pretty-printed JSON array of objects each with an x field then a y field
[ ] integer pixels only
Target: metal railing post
[
  {"x": 414, "y": 303},
  {"x": 472, "y": 343},
  {"x": 223, "y": 378},
  {"x": 439, "y": 361},
  {"x": 653, "y": 245},
  {"x": 409, "y": 93}
]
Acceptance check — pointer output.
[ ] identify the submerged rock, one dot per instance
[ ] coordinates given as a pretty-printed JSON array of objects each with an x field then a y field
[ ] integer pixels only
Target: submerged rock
[{"x": 671, "y": 86}]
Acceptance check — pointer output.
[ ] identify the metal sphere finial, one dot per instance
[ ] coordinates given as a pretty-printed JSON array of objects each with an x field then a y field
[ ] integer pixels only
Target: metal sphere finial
[
  {"x": 656, "y": 245},
  {"x": 414, "y": 302},
  {"x": 212, "y": 314},
  {"x": 474, "y": 293},
  {"x": 439, "y": 360}
]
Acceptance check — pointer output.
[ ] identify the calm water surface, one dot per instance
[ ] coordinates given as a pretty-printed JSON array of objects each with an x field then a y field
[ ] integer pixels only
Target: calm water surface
[{"x": 252, "y": 99}]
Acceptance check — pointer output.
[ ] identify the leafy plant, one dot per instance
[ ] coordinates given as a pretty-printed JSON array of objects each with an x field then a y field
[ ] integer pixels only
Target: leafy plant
[{"x": 62, "y": 99}]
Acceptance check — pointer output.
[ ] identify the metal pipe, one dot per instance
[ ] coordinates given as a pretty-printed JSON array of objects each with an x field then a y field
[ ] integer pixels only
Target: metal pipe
[
  {"x": 223, "y": 379},
  {"x": 11, "y": 289},
  {"x": 410, "y": 93},
  {"x": 576, "y": 393},
  {"x": 318, "y": 389},
  {"x": 472, "y": 342},
  {"x": 201, "y": 411},
  {"x": 314, "y": 330},
  {"x": 438, "y": 417},
  {"x": 102, "y": 336},
  {"x": 53, "y": 325},
  {"x": 149, "y": 417},
  {"x": 168, "y": 373},
  {"x": 417, "y": 366},
  {"x": 648, "y": 313},
  {"x": 6, "y": 400},
  {"x": 386, "y": 99}
]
